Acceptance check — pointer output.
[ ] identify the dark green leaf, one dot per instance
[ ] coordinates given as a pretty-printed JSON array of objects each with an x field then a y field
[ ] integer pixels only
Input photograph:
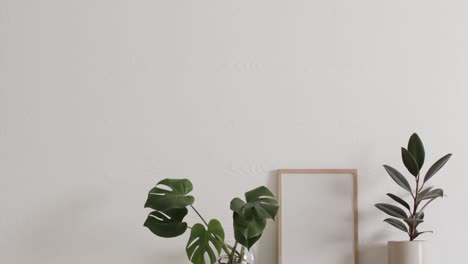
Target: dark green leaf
[
  {"x": 397, "y": 223},
  {"x": 416, "y": 148},
  {"x": 436, "y": 193},
  {"x": 423, "y": 194},
  {"x": 420, "y": 215},
  {"x": 202, "y": 242},
  {"x": 410, "y": 162},
  {"x": 392, "y": 210},
  {"x": 436, "y": 167},
  {"x": 425, "y": 191},
  {"x": 414, "y": 222},
  {"x": 237, "y": 205},
  {"x": 168, "y": 223},
  {"x": 250, "y": 216},
  {"x": 248, "y": 231},
  {"x": 398, "y": 178},
  {"x": 170, "y": 194},
  {"x": 420, "y": 233},
  {"x": 399, "y": 200},
  {"x": 260, "y": 202}
]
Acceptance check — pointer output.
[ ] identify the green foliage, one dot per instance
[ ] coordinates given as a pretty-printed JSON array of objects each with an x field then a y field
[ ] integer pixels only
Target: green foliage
[
  {"x": 398, "y": 178},
  {"x": 250, "y": 217},
  {"x": 170, "y": 199},
  {"x": 436, "y": 167},
  {"x": 413, "y": 158},
  {"x": 399, "y": 200},
  {"x": 205, "y": 241},
  {"x": 410, "y": 162},
  {"x": 392, "y": 210},
  {"x": 248, "y": 231},
  {"x": 167, "y": 223},
  {"x": 416, "y": 148},
  {"x": 170, "y": 194},
  {"x": 397, "y": 223}
]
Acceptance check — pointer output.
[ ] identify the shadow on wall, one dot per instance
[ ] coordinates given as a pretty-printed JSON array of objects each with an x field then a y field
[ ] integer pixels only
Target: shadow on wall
[
  {"x": 375, "y": 254},
  {"x": 372, "y": 252},
  {"x": 267, "y": 248}
]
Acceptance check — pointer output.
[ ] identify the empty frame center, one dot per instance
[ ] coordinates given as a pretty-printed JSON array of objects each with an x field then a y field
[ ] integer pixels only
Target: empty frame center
[{"x": 318, "y": 218}]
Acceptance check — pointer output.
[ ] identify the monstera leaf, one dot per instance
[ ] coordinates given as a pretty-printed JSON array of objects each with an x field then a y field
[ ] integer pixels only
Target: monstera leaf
[
  {"x": 205, "y": 241},
  {"x": 250, "y": 216},
  {"x": 167, "y": 223},
  {"x": 260, "y": 203},
  {"x": 170, "y": 194},
  {"x": 248, "y": 232}
]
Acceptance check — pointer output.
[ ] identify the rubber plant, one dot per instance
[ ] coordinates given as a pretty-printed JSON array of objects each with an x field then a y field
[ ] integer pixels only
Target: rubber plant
[
  {"x": 405, "y": 217},
  {"x": 170, "y": 199}
]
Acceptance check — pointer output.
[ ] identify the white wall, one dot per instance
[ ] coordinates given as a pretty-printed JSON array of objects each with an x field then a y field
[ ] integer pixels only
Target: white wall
[{"x": 100, "y": 99}]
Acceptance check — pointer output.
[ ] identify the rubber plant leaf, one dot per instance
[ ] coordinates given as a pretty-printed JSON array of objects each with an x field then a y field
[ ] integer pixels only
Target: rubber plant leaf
[
  {"x": 425, "y": 191},
  {"x": 167, "y": 223},
  {"x": 170, "y": 194},
  {"x": 398, "y": 178},
  {"x": 423, "y": 232},
  {"x": 410, "y": 162},
  {"x": 414, "y": 222},
  {"x": 436, "y": 167},
  {"x": 416, "y": 148},
  {"x": 436, "y": 193},
  {"x": 423, "y": 194},
  {"x": 399, "y": 200},
  {"x": 397, "y": 223},
  {"x": 420, "y": 215},
  {"x": 204, "y": 242},
  {"x": 392, "y": 210}
]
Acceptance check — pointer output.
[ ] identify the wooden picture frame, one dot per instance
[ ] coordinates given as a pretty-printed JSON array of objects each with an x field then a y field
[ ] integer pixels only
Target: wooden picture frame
[{"x": 281, "y": 173}]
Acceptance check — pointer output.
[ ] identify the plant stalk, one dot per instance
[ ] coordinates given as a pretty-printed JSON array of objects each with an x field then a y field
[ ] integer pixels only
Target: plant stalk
[
  {"x": 415, "y": 210},
  {"x": 241, "y": 256},
  {"x": 199, "y": 215},
  {"x": 234, "y": 249},
  {"x": 223, "y": 245}
]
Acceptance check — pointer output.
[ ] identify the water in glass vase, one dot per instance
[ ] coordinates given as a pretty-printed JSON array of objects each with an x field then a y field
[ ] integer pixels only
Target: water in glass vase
[{"x": 242, "y": 256}]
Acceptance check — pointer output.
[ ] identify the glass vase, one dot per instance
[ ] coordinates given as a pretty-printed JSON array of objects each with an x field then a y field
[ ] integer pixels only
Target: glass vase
[{"x": 242, "y": 256}]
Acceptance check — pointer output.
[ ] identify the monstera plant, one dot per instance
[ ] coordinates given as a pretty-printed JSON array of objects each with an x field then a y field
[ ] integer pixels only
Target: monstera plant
[
  {"x": 170, "y": 199},
  {"x": 408, "y": 218}
]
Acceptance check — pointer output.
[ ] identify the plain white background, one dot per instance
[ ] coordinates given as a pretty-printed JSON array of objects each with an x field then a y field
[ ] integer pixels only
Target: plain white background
[{"x": 100, "y": 99}]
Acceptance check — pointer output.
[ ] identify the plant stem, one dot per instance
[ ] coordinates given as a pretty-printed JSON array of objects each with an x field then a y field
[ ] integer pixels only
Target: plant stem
[
  {"x": 415, "y": 210},
  {"x": 199, "y": 215},
  {"x": 225, "y": 248},
  {"x": 241, "y": 255},
  {"x": 223, "y": 245},
  {"x": 231, "y": 257}
]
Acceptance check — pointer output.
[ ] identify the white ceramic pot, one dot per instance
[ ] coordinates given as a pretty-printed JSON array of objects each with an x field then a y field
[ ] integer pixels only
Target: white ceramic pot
[{"x": 407, "y": 252}]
